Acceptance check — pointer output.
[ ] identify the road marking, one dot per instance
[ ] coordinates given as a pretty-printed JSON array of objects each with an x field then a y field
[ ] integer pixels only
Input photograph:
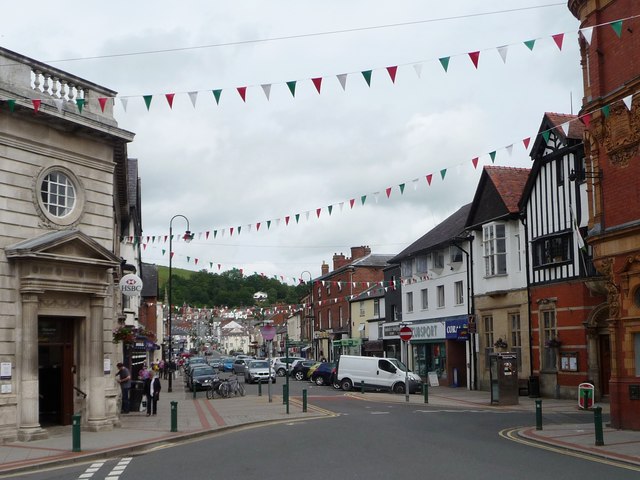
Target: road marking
[
  {"x": 511, "y": 434},
  {"x": 379, "y": 413},
  {"x": 115, "y": 473},
  {"x": 91, "y": 469},
  {"x": 462, "y": 411}
]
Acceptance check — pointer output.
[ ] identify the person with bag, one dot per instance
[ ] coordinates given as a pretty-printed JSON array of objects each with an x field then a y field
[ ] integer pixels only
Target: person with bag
[
  {"x": 123, "y": 377},
  {"x": 152, "y": 389}
]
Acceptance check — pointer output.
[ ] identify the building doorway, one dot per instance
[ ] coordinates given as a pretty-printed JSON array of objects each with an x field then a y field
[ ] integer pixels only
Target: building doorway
[
  {"x": 604, "y": 353},
  {"x": 55, "y": 370}
]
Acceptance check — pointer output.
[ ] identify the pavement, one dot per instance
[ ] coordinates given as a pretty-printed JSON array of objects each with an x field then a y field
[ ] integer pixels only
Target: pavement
[{"x": 201, "y": 417}]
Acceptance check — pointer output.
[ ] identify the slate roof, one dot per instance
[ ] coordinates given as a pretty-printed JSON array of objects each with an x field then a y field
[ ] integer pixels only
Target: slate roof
[
  {"x": 375, "y": 291},
  {"x": 149, "y": 280},
  {"x": 441, "y": 234}
]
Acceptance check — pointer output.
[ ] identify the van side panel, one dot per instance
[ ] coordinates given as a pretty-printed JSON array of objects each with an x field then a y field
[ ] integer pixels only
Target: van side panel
[{"x": 359, "y": 369}]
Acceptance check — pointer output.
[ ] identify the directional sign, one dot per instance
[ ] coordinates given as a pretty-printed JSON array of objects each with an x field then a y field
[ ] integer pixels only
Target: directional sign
[{"x": 406, "y": 333}]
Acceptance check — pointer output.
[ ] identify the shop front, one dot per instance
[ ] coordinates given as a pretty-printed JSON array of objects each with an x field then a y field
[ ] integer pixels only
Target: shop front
[{"x": 428, "y": 350}]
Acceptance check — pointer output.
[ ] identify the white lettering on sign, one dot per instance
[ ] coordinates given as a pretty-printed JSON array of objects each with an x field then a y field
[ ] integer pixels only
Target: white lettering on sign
[{"x": 452, "y": 328}]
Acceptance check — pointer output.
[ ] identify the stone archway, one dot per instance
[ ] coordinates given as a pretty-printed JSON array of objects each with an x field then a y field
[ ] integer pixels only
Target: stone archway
[{"x": 598, "y": 360}]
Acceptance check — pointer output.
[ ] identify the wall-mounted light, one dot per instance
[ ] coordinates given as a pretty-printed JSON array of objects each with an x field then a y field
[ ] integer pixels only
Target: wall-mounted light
[{"x": 573, "y": 176}]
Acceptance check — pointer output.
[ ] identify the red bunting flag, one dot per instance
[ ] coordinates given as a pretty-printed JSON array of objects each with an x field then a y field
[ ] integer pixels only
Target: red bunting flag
[
  {"x": 257, "y": 226},
  {"x": 475, "y": 162},
  {"x": 171, "y": 254},
  {"x": 196, "y": 261},
  {"x": 243, "y": 93},
  {"x": 526, "y": 142},
  {"x": 586, "y": 119},
  {"x": 318, "y": 210},
  {"x": 206, "y": 235},
  {"x": 429, "y": 178},
  {"x": 317, "y": 82},
  {"x": 388, "y": 191},
  {"x": 474, "y": 56},
  {"x": 352, "y": 201},
  {"x": 558, "y": 38},
  {"x": 392, "y": 73},
  {"x": 286, "y": 220},
  {"x": 231, "y": 231},
  {"x": 36, "y": 105},
  {"x": 170, "y": 99},
  {"x": 103, "y": 102}
]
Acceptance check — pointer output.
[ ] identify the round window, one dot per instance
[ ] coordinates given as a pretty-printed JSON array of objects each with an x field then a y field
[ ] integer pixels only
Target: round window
[{"x": 60, "y": 196}]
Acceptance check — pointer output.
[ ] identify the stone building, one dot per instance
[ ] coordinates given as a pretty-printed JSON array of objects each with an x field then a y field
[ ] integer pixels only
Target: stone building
[{"x": 63, "y": 184}]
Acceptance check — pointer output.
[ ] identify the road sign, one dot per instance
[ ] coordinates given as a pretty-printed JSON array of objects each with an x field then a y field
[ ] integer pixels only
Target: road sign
[{"x": 406, "y": 333}]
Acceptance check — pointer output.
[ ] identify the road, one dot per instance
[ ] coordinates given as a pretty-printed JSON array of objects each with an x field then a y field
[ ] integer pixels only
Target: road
[{"x": 364, "y": 440}]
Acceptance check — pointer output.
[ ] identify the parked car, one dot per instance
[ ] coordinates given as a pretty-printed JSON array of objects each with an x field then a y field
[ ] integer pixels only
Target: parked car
[
  {"x": 227, "y": 364},
  {"x": 201, "y": 377},
  {"x": 215, "y": 362},
  {"x": 239, "y": 365},
  {"x": 192, "y": 362},
  {"x": 283, "y": 364},
  {"x": 300, "y": 369},
  {"x": 323, "y": 373},
  {"x": 258, "y": 371}
]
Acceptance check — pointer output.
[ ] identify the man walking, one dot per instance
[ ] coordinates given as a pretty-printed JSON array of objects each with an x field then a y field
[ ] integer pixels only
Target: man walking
[{"x": 123, "y": 377}]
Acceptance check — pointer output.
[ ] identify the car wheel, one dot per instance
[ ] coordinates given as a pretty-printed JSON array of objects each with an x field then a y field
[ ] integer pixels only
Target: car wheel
[
  {"x": 346, "y": 384},
  {"x": 319, "y": 381},
  {"x": 299, "y": 376},
  {"x": 398, "y": 388},
  {"x": 281, "y": 372}
]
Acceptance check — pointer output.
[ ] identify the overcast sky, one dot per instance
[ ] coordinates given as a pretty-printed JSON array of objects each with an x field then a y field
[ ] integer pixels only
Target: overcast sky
[{"x": 238, "y": 163}]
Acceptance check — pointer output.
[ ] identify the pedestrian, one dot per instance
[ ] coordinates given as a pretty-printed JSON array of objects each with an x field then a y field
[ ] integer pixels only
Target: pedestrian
[
  {"x": 143, "y": 374},
  {"x": 152, "y": 389},
  {"x": 163, "y": 369},
  {"x": 123, "y": 377}
]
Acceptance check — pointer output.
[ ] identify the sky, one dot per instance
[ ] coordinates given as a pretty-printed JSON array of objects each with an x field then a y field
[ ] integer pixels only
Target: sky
[{"x": 236, "y": 164}]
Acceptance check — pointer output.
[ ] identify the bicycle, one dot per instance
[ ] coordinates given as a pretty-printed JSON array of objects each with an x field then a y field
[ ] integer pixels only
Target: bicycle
[
  {"x": 231, "y": 386},
  {"x": 214, "y": 389}
]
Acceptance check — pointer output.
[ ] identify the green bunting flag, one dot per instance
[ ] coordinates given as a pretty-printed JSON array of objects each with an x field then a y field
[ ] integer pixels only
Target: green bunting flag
[
  {"x": 493, "y": 156},
  {"x": 401, "y": 188},
  {"x": 444, "y": 61},
  {"x": 443, "y": 172},
  {"x": 12, "y": 105},
  {"x": 367, "y": 76},
  {"x": 239, "y": 229},
  {"x": 216, "y": 94},
  {"x": 215, "y": 233},
  {"x": 605, "y": 111},
  {"x": 211, "y": 265},
  {"x": 617, "y": 27},
  {"x": 147, "y": 100},
  {"x": 268, "y": 224},
  {"x": 330, "y": 208},
  {"x": 80, "y": 104},
  {"x": 546, "y": 136},
  {"x": 292, "y": 88},
  {"x": 297, "y": 217},
  {"x": 530, "y": 44},
  {"x": 188, "y": 258},
  {"x": 163, "y": 251},
  {"x": 363, "y": 199}
]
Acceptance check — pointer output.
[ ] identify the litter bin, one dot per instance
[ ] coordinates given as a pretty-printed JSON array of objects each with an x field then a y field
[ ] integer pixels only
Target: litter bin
[
  {"x": 135, "y": 395},
  {"x": 534, "y": 387},
  {"x": 585, "y": 395}
]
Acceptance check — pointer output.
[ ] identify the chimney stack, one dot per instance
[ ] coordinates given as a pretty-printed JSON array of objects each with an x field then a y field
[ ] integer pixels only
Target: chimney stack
[
  {"x": 324, "y": 268},
  {"x": 359, "y": 252}
]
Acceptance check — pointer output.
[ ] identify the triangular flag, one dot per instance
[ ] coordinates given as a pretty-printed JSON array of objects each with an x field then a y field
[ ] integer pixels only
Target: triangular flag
[
  {"x": 474, "y": 56},
  {"x": 530, "y": 44},
  {"x": 443, "y": 172},
  {"x": 266, "y": 88},
  {"x": 318, "y": 210},
  {"x": 215, "y": 233},
  {"x": 375, "y": 196},
  {"x": 196, "y": 261},
  {"x": 193, "y": 96},
  {"x": 401, "y": 188},
  {"x": 526, "y": 142},
  {"x": 363, "y": 199},
  {"x": 627, "y": 101},
  {"x": 297, "y": 217},
  {"x": 606, "y": 110},
  {"x": 330, "y": 208},
  {"x": 493, "y": 156},
  {"x": 418, "y": 68},
  {"x": 239, "y": 230},
  {"x": 342, "y": 78},
  {"x": 509, "y": 149},
  {"x": 429, "y": 178},
  {"x": 503, "y": 52},
  {"x": 169, "y": 97},
  {"x": 292, "y": 87},
  {"x": 546, "y": 134},
  {"x": 286, "y": 220},
  {"x": 341, "y": 205},
  {"x": 475, "y": 162},
  {"x": 124, "y": 101},
  {"x": 558, "y": 38},
  {"x": 12, "y": 105},
  {"x": 565, "y": 128},
  {"x": 188, "y": 258},
  {"x": 103, "y": 102},
  {"x": 352, "y": 201},
  {"x": 444, "y": 61},
  {"x": 586, "y": 119},
  {"x": 36, "y": 105},
  {"x": 164, "y": 251},
  {"x": 80, "y": 104},
  {"x": 317, "y": 82},
  {"x": 58, "y": 102},
  {"x": 587, "y": 33},
  {"x": 257, "y": 226},
  {"x": 218, "y": 92},
  {"x": 617, "y": 27},
  {"x": 206, "y": 235},
  {"x": 388, "y": 190},
  {"x": 268, "y": 224},
  {"x": 415, "y": 183},
  {"x": 367, "y": 76},
  {"x": 147, "y": 100},
  {"x": 392, "y": 73}
]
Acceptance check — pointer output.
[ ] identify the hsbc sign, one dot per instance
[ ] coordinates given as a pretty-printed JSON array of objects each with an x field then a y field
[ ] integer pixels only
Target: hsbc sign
[{"x": 130, "y": 285}]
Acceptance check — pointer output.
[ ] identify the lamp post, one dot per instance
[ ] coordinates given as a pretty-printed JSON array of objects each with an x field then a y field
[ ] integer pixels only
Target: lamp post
[
  {"x": 310, "y": 318},
  {"x": 268, "y": 332},
  {"x": 187, "y": 237}
]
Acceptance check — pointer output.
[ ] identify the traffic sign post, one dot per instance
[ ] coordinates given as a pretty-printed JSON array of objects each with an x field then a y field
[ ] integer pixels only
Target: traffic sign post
[{"x": 405, "y": 335}]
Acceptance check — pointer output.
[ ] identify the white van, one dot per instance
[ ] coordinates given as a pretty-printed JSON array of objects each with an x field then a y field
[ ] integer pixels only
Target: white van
[{"x": 376, "y": 373}]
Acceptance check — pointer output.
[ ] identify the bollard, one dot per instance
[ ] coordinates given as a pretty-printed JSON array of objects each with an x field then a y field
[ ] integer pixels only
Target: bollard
[
  {"x": 304, "y": 400},
  {"x": 285, "y": 394},
  {"x": 260, "y": 387},
  {"x": 597, "y": 420},
  {"x": 75, "y": 441},
  {"x": 425, "y": 392},
  {"x": 362, "y": 386},
  {"x": 174, "y": 416},
  {"x": 538, "y": 414}
]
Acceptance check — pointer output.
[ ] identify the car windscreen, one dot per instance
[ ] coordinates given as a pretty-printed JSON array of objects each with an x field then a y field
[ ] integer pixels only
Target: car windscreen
[
  {"x": 398, "y": 363},
  {"x": 203, "y": 371},
  {"x": 259, "y": 365}
]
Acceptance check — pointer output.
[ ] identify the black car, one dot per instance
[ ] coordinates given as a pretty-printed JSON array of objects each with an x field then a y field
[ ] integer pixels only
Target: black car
[
  {"x": 300, "y": 369},
  {"x": 324, "y": 374},
  {"x": 201, "y": 377}
]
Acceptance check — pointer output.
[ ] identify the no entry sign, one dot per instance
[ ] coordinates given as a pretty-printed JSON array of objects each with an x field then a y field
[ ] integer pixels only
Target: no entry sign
[{"x": 406, "y": 333}]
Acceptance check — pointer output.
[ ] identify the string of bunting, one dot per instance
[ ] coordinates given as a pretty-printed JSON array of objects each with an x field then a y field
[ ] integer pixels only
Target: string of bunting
[{"x": 391, "y": 71}]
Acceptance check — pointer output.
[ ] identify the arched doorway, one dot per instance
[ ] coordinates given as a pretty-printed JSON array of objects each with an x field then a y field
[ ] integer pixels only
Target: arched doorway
[{"x": 599, "y": 349}]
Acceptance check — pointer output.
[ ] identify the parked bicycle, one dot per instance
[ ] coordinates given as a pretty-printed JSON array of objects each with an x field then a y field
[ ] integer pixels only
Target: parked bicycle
[
  {"x": 214, "y": 389},
  {"x": 231, "y": 386}
]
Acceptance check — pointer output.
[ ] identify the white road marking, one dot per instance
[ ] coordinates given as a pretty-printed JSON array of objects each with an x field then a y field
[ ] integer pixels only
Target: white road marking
[{"x": 91, "y": 469}]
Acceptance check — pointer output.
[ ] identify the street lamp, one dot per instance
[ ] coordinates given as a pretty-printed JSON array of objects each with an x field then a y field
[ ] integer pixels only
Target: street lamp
[
  {"x": 187, "y": 237},
  {"x": 310, "y": 318},
  {"x": 268, "y": 331}
]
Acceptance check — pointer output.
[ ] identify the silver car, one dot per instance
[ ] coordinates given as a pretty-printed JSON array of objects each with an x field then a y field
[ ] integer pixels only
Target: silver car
[{"x": 258, "y": 371}]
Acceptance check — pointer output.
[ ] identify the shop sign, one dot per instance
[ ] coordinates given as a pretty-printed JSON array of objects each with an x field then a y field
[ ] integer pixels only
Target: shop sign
[
  {"x": 428, "y": 331},
  {"x": 130, "y": 285},
  {"x": 458, "y": 329}
]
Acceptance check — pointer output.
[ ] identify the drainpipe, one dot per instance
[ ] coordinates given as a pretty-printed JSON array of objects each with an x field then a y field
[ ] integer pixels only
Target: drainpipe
[{"x": 470, "y": 310}]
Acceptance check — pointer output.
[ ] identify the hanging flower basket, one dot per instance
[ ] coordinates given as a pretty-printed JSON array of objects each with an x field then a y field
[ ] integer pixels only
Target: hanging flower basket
[
  {"x": 553, "y": 343},
  {"x": 129, "y": 334}
]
